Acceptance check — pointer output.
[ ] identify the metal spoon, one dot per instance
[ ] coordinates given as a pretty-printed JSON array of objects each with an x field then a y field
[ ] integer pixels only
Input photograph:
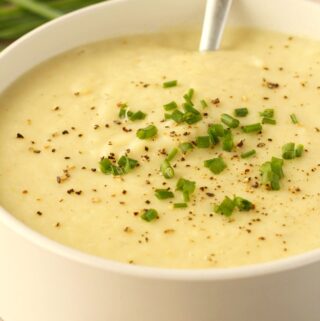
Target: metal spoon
[{"x": 214, "y": 22}]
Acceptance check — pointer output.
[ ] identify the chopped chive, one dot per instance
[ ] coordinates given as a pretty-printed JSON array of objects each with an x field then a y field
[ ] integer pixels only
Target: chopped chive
[
  {"x": 203, "y": 103},
  {"x": 203, "y": 142},
  {"x": 106, "y": 166},
  {"x": 172, "y": 154},
  {"x": 185, "y": 147},
  {"x": 294, "y": 118},
  {"x": 147, "y": 133},
  {"x": 243, "y": 204},
  {"x": 192, "y": 117},
  {"x": 272, "y": 172},
  {"x": 123, "y": 111},
  {"x": 125, "y": 163},
  {"x": 288, "y": 151},
  {"x": 276, "y": 166},
  {"x": 169, "y": 84},
  {"x": 248, "y": 153},
  {"x": 230, "y": 121},
  {"x": 253, "y": 128},
  {"x": 269, "y": 113},
  {"x": 177, "y": 116},
  {"x": 167, "y": 170},
  {"x": 299, "y": 150},
  {"x": 216, "y": 165},
  {"x": 149, "y": 215},
  {"x": 227, "y": 141},
  {"x": 215, "y": 131},
  {"x": 266, "y": 120},
  {"x": 180, "y": 205},
  {"x": 189, "y": 95},
  {"x": 226, "y": 207},
  {"x": 241, "y": 112},
  {"x": 163, "y": 194},
  {"x": 139, "y": 115},
  {"x": 170, "y": 106},
  {"x": 186, "y": 187}
]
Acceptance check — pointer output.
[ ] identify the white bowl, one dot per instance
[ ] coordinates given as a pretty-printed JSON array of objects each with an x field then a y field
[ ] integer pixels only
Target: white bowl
[{"x": 41, "y": 280}]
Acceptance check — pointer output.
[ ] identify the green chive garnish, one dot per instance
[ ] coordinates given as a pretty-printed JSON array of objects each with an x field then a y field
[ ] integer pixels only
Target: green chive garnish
[
  {"x": 243, "y": 204},
  {"x": 241, "y": 112},
  {"x": 169, "y": 84},
  {"x": 186, "y": 187},
  {"x": 191, "y": 115},
  {"x": 148, "y": 132},
  {"x": 167, "y": 170},
  {"x": 253, "y": 128},
  {"x": 172, "y": 155},
  {"x": 203, "y": 103},
  {"x": 248, "y": 153},
  {"x": 149, "y": 215},
  {"x": 272, "y": 172},
  {"x": 299, "y": 150},
  {"x": 203, "y": 142},
  {"x": 226, "y": 207},
  {"x": 230, "y": 121},
  {"x": 294, "y": 118},
  {"x": 269, "y": 113},
  {"x": 185, "y": 147},
  {"x": 139, "y": 115},
  {"x": 288, "y": 151},
  {"x": 188, "y": 96},
  {"x": 170, "y": 106},
  {"x": 180, "y": 205},
  {"x": 125, "y": 165},
  {"x": 163, "y": 194},
  {"x": 215, "y": 131},
  {"x": 227, "y": 141},
  {"x": 177, "y": 116},
  {"x": 266, "y": 120},
  {"x": 123, "y": 111},
  {"x": 216, "y": 165}
]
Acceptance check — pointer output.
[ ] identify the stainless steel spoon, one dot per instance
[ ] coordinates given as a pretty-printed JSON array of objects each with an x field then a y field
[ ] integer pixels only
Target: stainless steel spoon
[{"x": 214, "y": 22}]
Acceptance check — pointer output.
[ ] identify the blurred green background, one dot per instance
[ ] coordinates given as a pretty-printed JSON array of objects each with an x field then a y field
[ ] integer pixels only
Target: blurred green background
[{"x": 17, "y": 17}]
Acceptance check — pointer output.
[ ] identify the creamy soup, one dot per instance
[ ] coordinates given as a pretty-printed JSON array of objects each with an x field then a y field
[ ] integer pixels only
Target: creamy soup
[{"x": 143, "y": 150}]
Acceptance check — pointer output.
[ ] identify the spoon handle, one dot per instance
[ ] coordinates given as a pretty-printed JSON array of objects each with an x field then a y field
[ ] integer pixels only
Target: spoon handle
[{"x": 214, "y": 22}]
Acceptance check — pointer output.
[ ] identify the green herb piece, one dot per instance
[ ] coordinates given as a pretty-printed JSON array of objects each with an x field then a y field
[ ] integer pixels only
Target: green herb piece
[
  {"x": 147, "y": 133},
  {"x": 139, "y": 115},
  {"x": 216, "y": 165},
  {"x": 127, "y": 164},
  {"x": 253, "y": 128},
  {"x": 123, "y": 111},
  {"x": 203, "y": 103},
  {"x": 294, "y": 118},
  {"x": 248, "y": 153},
  {"x": 180, "y": 205},
  {"x": 226, "y": 207},
  {"x": 170, "y": 84},
  {"x": 170, "y": 106},
  {"x": 288, "y": 151},
  {"x": 167, "y": 170},
  {"x": 215, "y": 131},
  {"x": 269, "y": 113},
  {"x": 243, "y": 204},
  {"x": 270, "y": 121},
  {"x": 272, "y": 172},
  {"x": 172, "y": 155},
  {"x": 163, "y": 194},
  {"x": 186, "y": 187},
  {"x": 185, "y": 147},
  {"x": 230, "y": 121},
  {"x": 241, "y": 112},
  {"x": 191, "y": 115},
  {"x": 203, "y": 142},
  {"x": 299, "y": 150},
  {"x": 149, "y": 215},
  {"x": 227, "y": 141},
  {"x": 188, "y": 96},
  {"x": 177, "y": 116}
]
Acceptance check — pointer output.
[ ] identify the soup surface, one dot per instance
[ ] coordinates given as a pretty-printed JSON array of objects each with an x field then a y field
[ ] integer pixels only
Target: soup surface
[{"x": 93, "y": 159}]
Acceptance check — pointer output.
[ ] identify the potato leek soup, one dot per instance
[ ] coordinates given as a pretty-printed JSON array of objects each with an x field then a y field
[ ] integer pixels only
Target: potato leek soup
[{"x": 143, "y": 150}]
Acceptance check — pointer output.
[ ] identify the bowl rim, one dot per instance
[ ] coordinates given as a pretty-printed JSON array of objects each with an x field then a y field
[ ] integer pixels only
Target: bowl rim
[{"x": 141, "y": 271}]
